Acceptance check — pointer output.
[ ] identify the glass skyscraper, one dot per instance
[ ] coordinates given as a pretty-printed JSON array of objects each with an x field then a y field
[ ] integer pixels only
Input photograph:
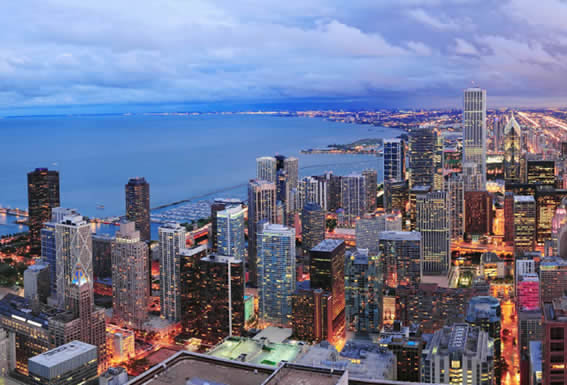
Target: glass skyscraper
[
  {"x": 138, "y": 205},
  {"x": 433, "y": 221},
  {"x": 394, "y": 160},
  {"x": 230, "y": 231},
  {"x": 43, "y": 196}
]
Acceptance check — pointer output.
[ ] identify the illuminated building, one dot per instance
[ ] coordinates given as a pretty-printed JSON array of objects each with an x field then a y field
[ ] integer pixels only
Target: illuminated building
[
  {"x": 353, "y": 197},
  {"x": 261, "y": 207},
  {"x": 276, "y": 273},
  {"x": 512, "y": 151},
  {"x": 552, "y": 278},
  {"x": 219, "y": 204},
  {"x": 474, "y": 139},
  {"x": 401, "y": 255},
  {"x": 189, "y": 287},
  {"x": 548, "y": 199},
  {"x": 485, "y": 312},
  {"x": 36, "y": 283},
  {"x": 413, "y": 194},
  {"x": 102, "y": 255},
  {"x": 524, "y": 223},
  {"x": 130, "y": 284},
  {"x": 527, "y": 265},
  {"x": 541, "y": 172},
  {"x": 72, "y": 364},
  {"x": 73, "y": 247},
  {"x": 423, "y": 148},
  {"x": 527, "y": 291},
  {"x": 114, "y": 376},
  {"x": 492, "y": 267},
  {"x": 495, "y": 167},
  {"x": 363, "y": 291},
  {"x": 282, "y": 186},
  {"x": 432, "y": 220},
  {"x": 394, "y": 160},
  {"x": 371, "y": 179},
  {"x": 266, "y": 169},
  {"x": 368, "y": 230},
  {"x": 314, "y": 190},
  {"x": 230, "y": 231},
  {"x": 530, "y": 328},
  {"x": 555, "y": 332},
  {"x": 43, "y": 196},
  {"x": 458, "y": 355},
  {"x": 221, "y": 298},
  {"x": 327, "y": 273},
  {"x": 138, "y": 205},
  {"x": 509, "y": 217},
  {"x": 312, "y": 315},
  {"x": 478, "y": 212},
  {"x": 558, "y": 228},
  {"x": 455, "y": 187},
  {"x": 452, "y": 160},
  {"x": 396, "y": 196},
  {"x": 171, "y": 241},
  {"x": 291, "y": 167},
  {"x": 401, "y": 341},
  {"x": 333, "y": 186},
  {"x": 49, "y": 254},
  {"x": 313, "y": 225},
  {"x": 120, "y": 344}
]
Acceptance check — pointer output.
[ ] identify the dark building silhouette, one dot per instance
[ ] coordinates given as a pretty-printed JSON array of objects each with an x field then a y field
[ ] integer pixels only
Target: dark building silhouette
[
  {"x": 478, "y": 212},
  {"x": 43, "y": 195},
  {"x": 138, "y": 205},
  {"x": 312, "y": 225}
]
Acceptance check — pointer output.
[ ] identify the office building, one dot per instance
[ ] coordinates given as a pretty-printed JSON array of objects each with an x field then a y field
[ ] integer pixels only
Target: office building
[
  {"x": 555, "y": 332},
  {"x": 312, "y": 316},
  {"x": 368, "y": 230},
  {"x": 434, "y": 224},
  {"x": 353, "y": 198},
  {"x": 74, "y": 363},
  {"x": 190, "y": 287},
  {"x": 394, "y": 160},
  {"x": 138, "y": 205},
  {"x": 402, "y": 341},
  {"x": 509, "y": 217},
  {"x": 276, "y": 272},
  {"x": 474, "y": 139},
  {"x": 478, "y": 212},
  {"x": 512, "y": 151},
  {"x": 230, "y": 231},
  {"x": 49, "y": 254},
  {"x": 363, "y": 291},
  {"x": 114, "y": 376},
  {"x": 43, "y": 196},
  {"x": 558, "y": 228},
  {"x": 455, "y": 189},
  {"x": 396, "y": 196},
  {"x": 313, "y": 225},
  {"x": 485, "y": 312},
  {"x": 527, "y": 291},
  {"x": 36, "y": 283},
  {"x": 266, "y": 169},
  {"x": 371, "y": 179},
  {"x": 130, "y": 284},
  {"x": 548, "y": 200},
  {"x": 459, "y": 354},
  {"x": 530, "y": 328},
  {"x": 412, "y": 211},
  {"x": 219, "y": 204},
  {"x": 535, "y": 363},
  {"x": 552, "y": 278},
  {"x": 313, "y": 189},
  {"x": 401, "y": 257},
  {"x": 423, "y": 152},
  {"x": 261, "y": 207},
  {"x": 524, "y": 224},
  {"x": 102, "y": 255},
  {"x": 171, "y": 241},
  {"x": 291, "y": 168},
  {"x": 541, "y": 172}
]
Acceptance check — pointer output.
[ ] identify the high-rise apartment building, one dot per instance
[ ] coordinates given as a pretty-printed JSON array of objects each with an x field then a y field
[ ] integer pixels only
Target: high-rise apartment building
[
  {"x": 130, "y": 284},
  {"x": 313, "y": 189},
  {"x": 313, "y": 225},
  {"x": 191, "y": 304},
  {"x": 371, "y": 179},
  {"x": 396, "y": 196},
  {"x": 102, "y": 255},
  {"x": 261, "y": 207},
  {"x": 353, "y": 197},
  {"x": 43, "y": 196},
  {"x": 230, "y": 231},
  {"x": 455, "y": 189},
  {"x": 433, "y": 221},
  {"x": 474, "y": 139},
  {"x": 524, "y": 224},
  {"x": 291, "y": 167},
  {"x": 423, "y": 154},
  {"x": 512, "y": 151},
  {"x": 394, "y": 160},
  {"x": 138, "y": 205},
  {"x": 219, "y": 204},
  {"x": 276, "y": 273},
  {"x": 552, "y": 278},
  {"x": 368, "y": 230},
  {"x": 401, "y": 257},
  {"x": 266, "y": 168},
  {"x": 171, "y": 241}
]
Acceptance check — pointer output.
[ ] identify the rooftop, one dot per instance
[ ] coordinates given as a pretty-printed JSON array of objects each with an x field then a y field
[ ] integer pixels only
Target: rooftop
[
  {"x": 62, "y": 353},
  {"x": 524, "y": 198},
  {"x": 400, "y": 235},
  {"x": 274, "y": 334},
  {"x": 231, "y": 210},
  {"x": 328, "y": 245},
  {"x": 19, "y": 308},
  {"x": 254, "y": 351},
  {"x": 218, "y": 258},
  {"x": 296, "y": 375}
]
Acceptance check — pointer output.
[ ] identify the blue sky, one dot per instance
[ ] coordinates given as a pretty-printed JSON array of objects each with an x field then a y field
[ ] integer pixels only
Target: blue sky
[{"x": 99, "y": 55}]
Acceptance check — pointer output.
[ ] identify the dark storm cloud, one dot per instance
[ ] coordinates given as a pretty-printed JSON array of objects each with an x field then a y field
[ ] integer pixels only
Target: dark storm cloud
[{"x": 396, "y": 52}]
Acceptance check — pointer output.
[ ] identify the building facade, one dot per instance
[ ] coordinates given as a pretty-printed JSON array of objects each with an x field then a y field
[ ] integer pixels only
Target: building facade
[
  {"x": 433, "y": 222},
  {"x": 474, "y": 139},
  {"x": 171, "y": 241},
  {"x": 43, "y": 196},
  {"x": 137, "y": 192}
]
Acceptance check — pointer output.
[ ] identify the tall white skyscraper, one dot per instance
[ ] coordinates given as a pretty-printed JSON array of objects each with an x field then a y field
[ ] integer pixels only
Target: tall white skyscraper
[
  {"x": 313, "y": 190},
  {"x": 433, "y": 221},
  {"x": 291, "y": 167},
  {"x": 230, "y": 231},
  {"x": 454, "y": 187},
  {"x": 353, "y": 197},
  {"x": 73, "y": 245},
  {"x": 276, "y": 272},
  {"x": 474, "y": 139},
  {"x": 266, "y": 168},
  {"x": 171, "y": 240},
  {"x": 130, "y": 283}
]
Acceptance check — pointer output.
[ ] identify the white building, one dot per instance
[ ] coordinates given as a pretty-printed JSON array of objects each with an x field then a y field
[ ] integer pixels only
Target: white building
[
  {"x": 266, "y": 168},
  {"x": 368, "y": 230},
  {"x": 474, "y": 139},
  {"x": 171, "y": 240}
]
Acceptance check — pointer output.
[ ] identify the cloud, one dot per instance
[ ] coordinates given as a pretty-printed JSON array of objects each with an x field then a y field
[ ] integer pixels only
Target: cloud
[
  {"x": 423, "y": 17},
  {"x": 463, "y": 47}
]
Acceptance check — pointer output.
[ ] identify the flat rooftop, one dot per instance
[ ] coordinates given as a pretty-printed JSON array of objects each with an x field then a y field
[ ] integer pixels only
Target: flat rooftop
[
  {"x": 328, "y": 245},
  {"x": 400, "y": 235},
  {"x": 62, "y": 353},
  {"x": 293, "y": 375},
  {"x": 256, "y": 352}
]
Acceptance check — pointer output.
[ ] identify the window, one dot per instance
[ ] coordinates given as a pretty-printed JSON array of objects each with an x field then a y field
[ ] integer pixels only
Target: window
[{"x": 557, "y": 333}]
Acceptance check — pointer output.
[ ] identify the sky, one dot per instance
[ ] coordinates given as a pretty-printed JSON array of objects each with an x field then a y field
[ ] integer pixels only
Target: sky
[{"x": 132, "y": 55}]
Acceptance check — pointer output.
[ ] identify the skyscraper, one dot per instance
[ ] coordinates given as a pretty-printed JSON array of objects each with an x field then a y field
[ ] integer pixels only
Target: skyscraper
[
  {"x": 552, "y": 278},
  {"x": 478, "y": 212},
  {"x": 102, "y": 255},
  {"x": 541, "y": 172},
  {"x": 423, "y": 163},
  {"x": 43, "y": 195},
  {"x": 401, "y": 257},
  {"x": 130, "y": 285},
  {"x": 555, "y": 336},
  {"x": 433, "y": 221},
  {"x": 219, "y": 204},
  {"x": 394, "y": 160},
  {"x": 276, "y": 273},
  {"x": 512, "y": 151},
  {"x": 266, "y": 168},
  {"x": 138, "y": 205},
  {"x": 313, "y": 190},
  {"x": 353, "y": 197},
  {"x": 508, "y": 216},
  {"x": 313, "y": 224},
  {"x": 474, "y": 139},
  {"x": 73, "y": 251},
  {"x": 261, "y": 207},
  {"x": 368, "y": 230},
  {"x": 524, "y": 223},
  {"x": 230, "y": 231},
  {"x": 455, "y": 187},
  {"x": 192, "y": 304},
  {"x": 291, "y": 167},
  {"x": 371, "y": 179},
  {"x": 171, "y": 241}
]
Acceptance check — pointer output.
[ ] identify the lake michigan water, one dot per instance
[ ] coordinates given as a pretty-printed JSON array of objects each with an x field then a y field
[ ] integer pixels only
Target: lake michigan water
[{"x": 182, "y": 157}]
